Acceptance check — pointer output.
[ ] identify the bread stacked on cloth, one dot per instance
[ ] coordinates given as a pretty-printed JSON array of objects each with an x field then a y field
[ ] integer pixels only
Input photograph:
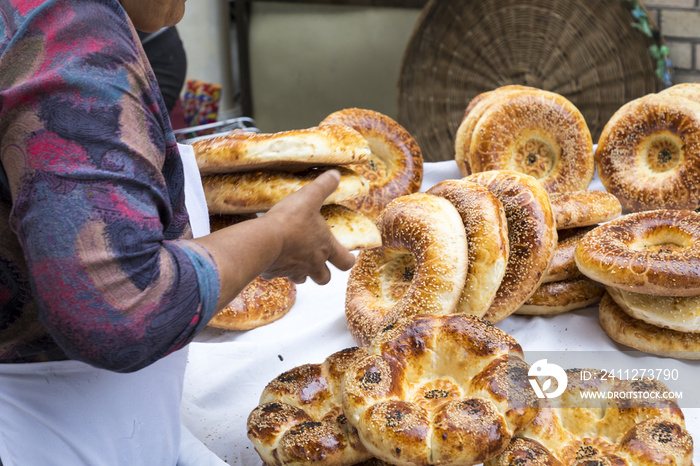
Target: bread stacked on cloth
[
  {"x": 622, "y": 427},
  {"x": 455, "y": 390},
  {"x": 564, "y": 288},
  {"x": 245, "y": 174},
  {"x": 648, "y": 154},
  {"x": 300, "y": 418},
  {"x": 648, "y": 157},
  {"x": 448, "y": 390},
  {"x": 543, "y": 135},
  {"x": 649, "y": 263},
  {"x": 529, "y": 130},
  {"x": 479, "y": 246}
]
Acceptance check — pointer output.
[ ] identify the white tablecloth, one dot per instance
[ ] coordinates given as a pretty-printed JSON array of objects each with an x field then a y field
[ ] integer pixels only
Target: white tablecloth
[{"x": 227, "y": 371}]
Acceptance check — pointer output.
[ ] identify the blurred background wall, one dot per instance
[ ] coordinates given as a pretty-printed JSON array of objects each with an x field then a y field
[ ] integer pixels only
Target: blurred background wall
[
  {"x": 306, "y": 60},
  {"x": 310, "y": 60},
  {"x": 679, "y": 22}
]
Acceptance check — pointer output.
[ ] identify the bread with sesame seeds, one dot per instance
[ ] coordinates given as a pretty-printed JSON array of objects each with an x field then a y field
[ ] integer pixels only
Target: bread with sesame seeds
[
  {"x": 475, "y": 109},
  {"x": 680, "y": 313},
  {"x": 258, "y": 191},
  {"x": 564, "y": 288},
  {"x": 562, "y": 296},
  {"x": 420, "y": 268},
  {"x": 563, "y": 264},
  {"x": 536, "y": 132},
  {"x": 652, "y": 252},
  {"x": 261, "y": 302},
  {"x": 584, "y": 208},
  {"x": 686, "y": 90},
  {"x": 532, "y": 237},
  {"x": 487, "y": 241},
  {"x": 292, "y": 150},
  {"x": 648, "y": 154},
  {"x": 623, "y": 428},
  {"x": 443, "y": 390},
  {"x": 395, "y": 164},
  {"x": 642, "y": 336},
  {"x": 300, "y": 418}
]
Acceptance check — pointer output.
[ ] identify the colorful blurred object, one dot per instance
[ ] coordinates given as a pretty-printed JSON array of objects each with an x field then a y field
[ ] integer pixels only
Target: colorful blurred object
[{"x": 200, "y": 101}]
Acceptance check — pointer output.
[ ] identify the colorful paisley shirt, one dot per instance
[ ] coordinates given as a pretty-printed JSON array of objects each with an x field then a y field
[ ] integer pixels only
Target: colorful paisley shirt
[{"x": 95, "y": 264}]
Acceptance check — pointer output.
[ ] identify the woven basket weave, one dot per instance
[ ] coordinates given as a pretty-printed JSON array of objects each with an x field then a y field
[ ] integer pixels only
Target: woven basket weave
[{"x": 594, "y": 52}]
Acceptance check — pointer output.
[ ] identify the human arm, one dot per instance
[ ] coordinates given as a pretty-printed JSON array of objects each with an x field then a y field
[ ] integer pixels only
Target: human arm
[{"x": 290, "y": 240}]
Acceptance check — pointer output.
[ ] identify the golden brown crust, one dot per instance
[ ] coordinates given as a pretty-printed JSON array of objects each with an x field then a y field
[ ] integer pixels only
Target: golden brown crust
[
  {"x": 629, "y": 426},
  {"x": 531, "y": 234},
  {"x": 487, "y": 241},
  {"x": 653, "y": 252},
  {"x": 648, "y": 154},
  {"x": 584, "y": 208},
  {"x": 563, "y": 265},
  {"x": 524, "y": 452},
  {"x": 395, "y": 165},
  {"x": 680, "y": 313},
  {"x": 300, "y": 418},
  {"x": 251, "y": 192},
  {"x": 641, "y": 336},
  {"x": 562, "y": 296},
  {"x": 352, "y": 229},
  {"x": 658, "y": 441},
  {"x": 411, "y": 407},
  {"x": 420, "y": 268},
  {"x": 538, "y": 133},
  {"x": 686, "y": 90},
  {"x": 260, "y": 303},
  {"x": 287, "y": 150},
  {"x": 475, "y": 109}
]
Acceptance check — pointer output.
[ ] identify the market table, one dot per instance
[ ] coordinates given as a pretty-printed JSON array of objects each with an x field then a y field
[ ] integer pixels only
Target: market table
[{"x": 228, "y": 370}]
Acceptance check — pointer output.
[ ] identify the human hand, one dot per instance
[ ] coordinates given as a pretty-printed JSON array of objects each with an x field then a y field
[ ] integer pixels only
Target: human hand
[{"x": 307, "y": 242}]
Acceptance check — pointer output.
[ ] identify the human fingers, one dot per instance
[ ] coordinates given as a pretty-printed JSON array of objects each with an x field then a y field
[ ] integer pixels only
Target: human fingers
[
  {"x": 322, "y": 275},
  {"x": 318, "y": 190},
  {"x": 295, "y": 277},
  {"x": 340, "y": 257}
]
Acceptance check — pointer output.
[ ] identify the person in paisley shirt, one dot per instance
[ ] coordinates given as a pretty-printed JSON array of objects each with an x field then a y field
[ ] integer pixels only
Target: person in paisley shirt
[{"x": 102, "y": 284}]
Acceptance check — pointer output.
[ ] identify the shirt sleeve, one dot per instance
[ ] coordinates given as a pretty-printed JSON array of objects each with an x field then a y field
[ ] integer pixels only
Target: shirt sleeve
[{"x": 98, "y": 191}]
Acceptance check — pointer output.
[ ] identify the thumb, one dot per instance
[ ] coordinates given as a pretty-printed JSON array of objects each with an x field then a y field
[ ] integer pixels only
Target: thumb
[{"x": 318, "y": 190}]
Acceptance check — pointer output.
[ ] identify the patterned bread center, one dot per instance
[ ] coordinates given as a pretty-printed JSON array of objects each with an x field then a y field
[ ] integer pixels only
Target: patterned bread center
[
  {"x": 664, "y": 241},
  {"x": 435, "y": 393},
  {"x": 534, "y": 156},
  {"x": 376, "y": 169},
  {"x": 398, "y": 275},
  {"x": 664, "y": 152}
]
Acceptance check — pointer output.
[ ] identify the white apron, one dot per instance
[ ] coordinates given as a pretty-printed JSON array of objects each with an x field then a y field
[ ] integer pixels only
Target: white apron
[{"x": 70, "y": 413}]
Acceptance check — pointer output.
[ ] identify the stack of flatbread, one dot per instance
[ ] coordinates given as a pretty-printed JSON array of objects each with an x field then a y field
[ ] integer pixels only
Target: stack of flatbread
[
  {"x": 248, "y": 173},
  {"x": 245, "y": 174}
]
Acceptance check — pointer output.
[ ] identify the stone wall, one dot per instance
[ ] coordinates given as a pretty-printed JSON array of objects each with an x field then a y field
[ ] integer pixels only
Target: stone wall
[{"x": 679, "y": 23}]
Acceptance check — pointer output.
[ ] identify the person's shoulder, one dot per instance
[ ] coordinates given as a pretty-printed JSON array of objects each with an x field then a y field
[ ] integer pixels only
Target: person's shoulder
[
  {"x": 65, "y": 30},
  {"x": 97, "y": 16},
  {"x": 21, "y": 10}
]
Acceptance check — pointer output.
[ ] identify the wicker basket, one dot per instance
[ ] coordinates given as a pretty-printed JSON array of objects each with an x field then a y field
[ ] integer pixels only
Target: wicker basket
[{"x": 598, "y": 53}]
